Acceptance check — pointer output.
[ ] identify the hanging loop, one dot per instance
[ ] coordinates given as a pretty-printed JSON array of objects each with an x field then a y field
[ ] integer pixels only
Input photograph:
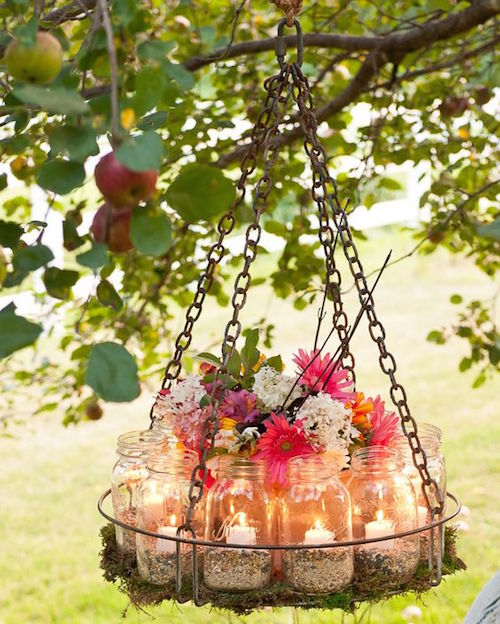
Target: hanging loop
[{"x": 280, "y": 42}]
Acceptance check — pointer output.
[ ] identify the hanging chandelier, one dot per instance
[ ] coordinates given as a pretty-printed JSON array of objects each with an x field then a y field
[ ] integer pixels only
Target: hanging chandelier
[{"x": 254, "y": 488}]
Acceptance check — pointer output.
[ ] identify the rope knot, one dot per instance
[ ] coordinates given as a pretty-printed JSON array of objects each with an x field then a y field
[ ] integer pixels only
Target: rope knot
[{"x": 291, "y": 8}]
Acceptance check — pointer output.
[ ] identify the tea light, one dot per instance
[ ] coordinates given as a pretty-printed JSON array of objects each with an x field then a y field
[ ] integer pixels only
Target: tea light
[
  {"x": 241, "y": 533},
  {"x": 317, "y": 534},
  {"x": 379, "y": 528},
  {"x": 167, "y": 546}
]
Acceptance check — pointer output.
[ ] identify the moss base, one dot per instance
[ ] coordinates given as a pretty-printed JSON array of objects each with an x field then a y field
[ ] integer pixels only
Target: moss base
[{"x": 121, "y": 569}]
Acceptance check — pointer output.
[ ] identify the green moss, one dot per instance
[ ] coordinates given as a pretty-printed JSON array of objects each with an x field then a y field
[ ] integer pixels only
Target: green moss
[{"x": 121, "y": 569}]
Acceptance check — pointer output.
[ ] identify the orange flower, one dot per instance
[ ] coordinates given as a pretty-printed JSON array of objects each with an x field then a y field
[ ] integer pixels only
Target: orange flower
[{"x": 360, "y": 409}]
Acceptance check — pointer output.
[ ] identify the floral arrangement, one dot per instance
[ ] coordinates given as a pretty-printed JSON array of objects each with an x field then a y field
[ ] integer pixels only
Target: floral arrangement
[{"x": 268, "y": 415}]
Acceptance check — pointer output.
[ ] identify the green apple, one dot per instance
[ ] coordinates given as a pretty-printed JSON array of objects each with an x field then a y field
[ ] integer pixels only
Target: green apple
[{"x": 37, "y": 64}]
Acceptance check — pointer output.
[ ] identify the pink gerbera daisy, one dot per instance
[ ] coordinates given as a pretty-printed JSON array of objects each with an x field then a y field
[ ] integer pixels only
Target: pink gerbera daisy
[
  {"x": 384, "y": 424},
  {"x": 314, "y": 370},
  {"x": 280, "y": 442}
]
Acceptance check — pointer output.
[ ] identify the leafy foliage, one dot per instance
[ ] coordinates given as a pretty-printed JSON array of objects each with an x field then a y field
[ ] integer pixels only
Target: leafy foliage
[{"x": 182, "y": 100}]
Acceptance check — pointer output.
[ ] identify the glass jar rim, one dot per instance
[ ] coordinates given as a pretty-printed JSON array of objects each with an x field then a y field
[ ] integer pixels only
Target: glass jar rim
[
  {"x": 311, "y": 467},
  {"x": 237, "y": 466},
  {"x": 173, "y": 461},
  {"x": 376, "y": 459},
  {"x": 430, "y": 445},
  {"x": 139, "y": 443}
]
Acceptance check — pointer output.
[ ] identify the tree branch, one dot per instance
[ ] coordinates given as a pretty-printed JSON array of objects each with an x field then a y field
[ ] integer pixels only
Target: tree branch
[{"x": 392, "y": 44}]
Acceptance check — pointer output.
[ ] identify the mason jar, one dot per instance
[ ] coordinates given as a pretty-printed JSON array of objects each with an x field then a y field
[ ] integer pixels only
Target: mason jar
[
  {"x": 383, "y": 503},
  {"x": 430, "y": 439},
  {"x": 315, "y": 508},
  {"x": 162, "y": 501},
  {"x": 128, "y": 473},
  {"x": 240, "y": 510}
]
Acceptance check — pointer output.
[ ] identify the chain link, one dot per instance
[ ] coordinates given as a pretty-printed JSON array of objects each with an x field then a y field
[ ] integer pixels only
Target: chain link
[
  {"x": 432, "y": 493},
  {"x": 275, "y": 88},
  {"x": 216, "y": 252}
]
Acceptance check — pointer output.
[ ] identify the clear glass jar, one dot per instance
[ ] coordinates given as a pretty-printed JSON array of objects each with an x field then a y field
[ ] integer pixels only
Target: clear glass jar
[
  {"x": 128, "y": 473},
  {"x": 315, "y": 509},
  {"x": 162, "y": 501},
  {"x": 240, "y": 510},
  {"x": 430, "y": 439},
  {"x": 383, "y": 503}
]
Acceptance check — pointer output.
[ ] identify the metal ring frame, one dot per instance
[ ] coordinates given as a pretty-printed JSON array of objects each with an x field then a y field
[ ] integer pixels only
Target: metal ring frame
[{"x": 200, "y": 542}]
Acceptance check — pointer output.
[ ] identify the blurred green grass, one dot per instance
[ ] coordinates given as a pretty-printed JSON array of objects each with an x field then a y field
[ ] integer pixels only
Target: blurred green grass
[{"x": 51, "y": 477}]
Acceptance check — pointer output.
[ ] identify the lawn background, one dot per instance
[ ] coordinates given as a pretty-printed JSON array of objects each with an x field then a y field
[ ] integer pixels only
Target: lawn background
[{"x": 51, "y": 477}]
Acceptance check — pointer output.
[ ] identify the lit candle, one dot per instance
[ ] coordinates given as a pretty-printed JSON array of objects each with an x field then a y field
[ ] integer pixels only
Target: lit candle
[
  {"x": 422, "y": 516},
  {"x": 167, "y": 546},
  {"x": 379, "y": 528},
  {"x": 154, "y": 504},
  {"x": 241, "y": 533},
  {"x": 317, "y": 534}
]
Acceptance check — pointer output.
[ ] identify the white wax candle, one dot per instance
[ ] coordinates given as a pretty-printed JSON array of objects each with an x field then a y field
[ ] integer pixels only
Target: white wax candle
[
  {"x": 379, "y": 528},
  {"x": 317, "y": 534},
  {"x": 164, "y": 545},
  {"x": 241, "y": 535},
  {"x": 422, "y": 516},
  {"x": 154, "y": 505}
]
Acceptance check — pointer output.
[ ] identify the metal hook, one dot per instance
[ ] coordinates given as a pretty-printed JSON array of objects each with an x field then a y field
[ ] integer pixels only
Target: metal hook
[{"x": 280, "y": 42}]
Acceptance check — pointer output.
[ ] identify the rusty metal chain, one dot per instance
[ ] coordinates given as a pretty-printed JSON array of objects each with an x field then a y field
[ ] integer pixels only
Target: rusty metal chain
[
  {"x": 278, "y": 89},
  {"x": 302, "y": 96},
  {"x": 216, "y": 252}
]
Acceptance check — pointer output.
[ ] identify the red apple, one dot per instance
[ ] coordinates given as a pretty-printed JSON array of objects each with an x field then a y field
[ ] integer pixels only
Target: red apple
[
  {"x": 112, "y": 226},
  {"x": 39, "y": 63},
  {"x": 120, "y": 185}
]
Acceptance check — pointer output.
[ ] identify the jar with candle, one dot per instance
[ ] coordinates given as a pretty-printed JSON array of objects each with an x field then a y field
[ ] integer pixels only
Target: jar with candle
[
  {"x": 315, "y": 509},
  {"x": 162, "y": 501},
  {"x": 383, "y": 503},
  {"x": 240, "y": 510},
  {"x": 128, "y": 473},
  {"x": 430, "y": 439}
]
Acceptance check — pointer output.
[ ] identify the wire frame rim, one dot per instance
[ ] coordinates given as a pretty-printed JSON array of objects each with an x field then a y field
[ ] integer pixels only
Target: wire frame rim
[{"x": 200, "y": 542}]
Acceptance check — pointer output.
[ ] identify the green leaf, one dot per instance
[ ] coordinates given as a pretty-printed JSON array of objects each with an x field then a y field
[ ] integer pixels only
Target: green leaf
[
  {"x": 108, "y": 296},
  {"x": 456, "y": 299},
  {"x": 141, "y": 152},
  {"x": 26, "y": 33},
  {"x": 154, "y": 50},
  {"x": 209, "y": 357},
  {"x": 10, "y": 233},
  {"x": 112, "y": 373},
  {"x": 61, "y": 176},
  {"x": 95, "y": 257},
  {"x": 3, "y": 181},
  {"x": 494, "y": 354},
  {"x": 153, "y": 121},
  {"x": 150, "y": 232},
  {"x": 436, "y": 336},
  {"x": 491, "y": 230},
  {"x": 200, "y": 192},
  {"x": 76, "y": 142},
  {"x": 149, "y": 85},
  {"x": 390, "y": 183},
  {"x": 234, "y": 364},
  {"x": 275, "y": 362},
  {"x": 250, "y": 354},
  {"x": 55, "y": 100},
  {"x": 182, "y": 77},
  {"x": 72, "y": 240},
  {"x": 32, "y": 257},
  {"x": 16, "y": 332},
  {"x": 58, "y": 282}
]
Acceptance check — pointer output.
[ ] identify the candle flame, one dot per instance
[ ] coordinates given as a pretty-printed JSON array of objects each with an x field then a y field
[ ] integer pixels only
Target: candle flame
[
  {"x": 318, "y": 525},
  {"x": 380, "y": 515},
  {"x": 242, "y": 518},
  {"x": 173, "y": 520}
]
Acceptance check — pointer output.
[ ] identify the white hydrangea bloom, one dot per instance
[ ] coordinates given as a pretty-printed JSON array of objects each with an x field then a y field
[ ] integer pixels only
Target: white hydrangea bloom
[
  {"x": 187, "y": 392},
  {"x": 327, "y": 422},
  {"x": 272, "y": 388}
]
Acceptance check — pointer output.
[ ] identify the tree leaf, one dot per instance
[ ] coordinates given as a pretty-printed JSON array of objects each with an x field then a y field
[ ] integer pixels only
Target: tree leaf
[
  {"x": 95, "y": 257},
  {"x": 76, "y": 142},
  {"x": 55, "y": 100},
  {"x": 154, "y": 50},
  {"x": 10, "y": 233},
  {"x": 112, "y": 373},
  {"x": 32, "y": 257},
  {"x": 275, "y": 362},
  {"x": 491, "y": 230},
  {"x": 16, "y": 332},
  {"x": 141, "y": 152},
  {"x": 150, "y": 232},
  {"x": 149, "y": 85},
  {"x": 58, "y": 282},
  {"x": 108, "y": 296},
  {"x": 61, "y": 176},
  {"x": 26, "y": 33},
  {"x": 181, "y": 76},
  {"x": 200, "y": 192}
]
